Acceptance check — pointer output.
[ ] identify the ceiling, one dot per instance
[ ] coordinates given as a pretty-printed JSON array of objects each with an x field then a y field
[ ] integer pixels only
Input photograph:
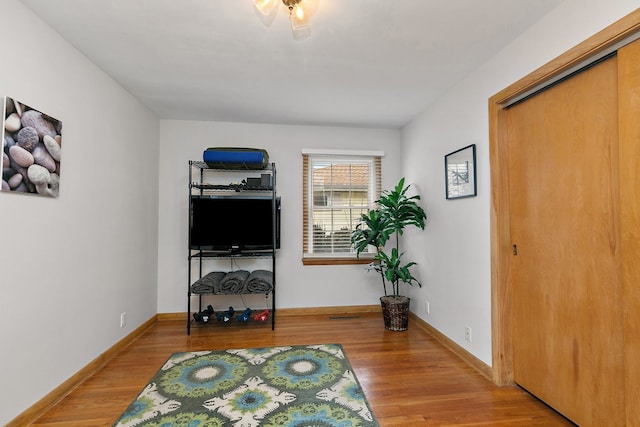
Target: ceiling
[{"x": 367, "y": 63}]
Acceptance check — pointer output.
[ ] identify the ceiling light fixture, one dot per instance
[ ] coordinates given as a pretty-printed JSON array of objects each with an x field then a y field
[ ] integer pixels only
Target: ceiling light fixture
[{"x": 298, "y": 16}]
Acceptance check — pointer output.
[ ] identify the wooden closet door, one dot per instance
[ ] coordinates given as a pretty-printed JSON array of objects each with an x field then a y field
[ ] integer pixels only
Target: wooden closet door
[
  {"x": 629, "y": 132},
  {"x": 563, "y": 172}
]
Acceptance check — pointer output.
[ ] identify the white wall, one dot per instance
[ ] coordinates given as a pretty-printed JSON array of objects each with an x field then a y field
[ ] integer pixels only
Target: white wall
[
  {"x": 297, "y": 285},
  {"x": 69, "y": 266},
  {"x": 454, "y": 253}
]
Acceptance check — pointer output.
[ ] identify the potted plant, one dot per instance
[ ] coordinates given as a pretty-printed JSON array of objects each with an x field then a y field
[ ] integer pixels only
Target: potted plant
[{"x": 395, "y": 211}]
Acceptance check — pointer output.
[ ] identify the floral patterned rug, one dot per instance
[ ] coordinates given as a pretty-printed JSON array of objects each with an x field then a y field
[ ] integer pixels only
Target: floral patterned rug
[{"x": 275, "y": 386}]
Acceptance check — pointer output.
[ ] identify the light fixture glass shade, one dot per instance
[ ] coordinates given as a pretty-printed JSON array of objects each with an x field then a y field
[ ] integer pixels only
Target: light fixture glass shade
[
  {"x": 299, "y": 18},
  {"x": 266, "y": 7}
]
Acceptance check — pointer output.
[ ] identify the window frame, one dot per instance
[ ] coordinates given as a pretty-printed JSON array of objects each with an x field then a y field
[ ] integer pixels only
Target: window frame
[{"x": 374, "y": 190}]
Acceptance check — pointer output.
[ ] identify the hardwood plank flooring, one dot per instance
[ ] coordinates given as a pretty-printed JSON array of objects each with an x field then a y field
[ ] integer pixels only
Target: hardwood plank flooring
[{"x": 409, "y": 378}]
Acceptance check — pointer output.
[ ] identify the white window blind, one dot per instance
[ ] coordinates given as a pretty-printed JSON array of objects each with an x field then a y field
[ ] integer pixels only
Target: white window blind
[{"x": 337, "y": 190}]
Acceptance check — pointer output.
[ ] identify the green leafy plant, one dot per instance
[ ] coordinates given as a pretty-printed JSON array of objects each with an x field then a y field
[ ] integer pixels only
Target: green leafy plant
[{"x": 395, "y": 211}]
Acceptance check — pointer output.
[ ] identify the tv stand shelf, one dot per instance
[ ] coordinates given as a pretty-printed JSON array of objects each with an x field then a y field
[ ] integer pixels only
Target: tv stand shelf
[
  {"x": 229, "y": 187},
  {"x": 202, "y": 253},
  {"x": 224, "y": 254},
  {"x": 248, "y": 167}
]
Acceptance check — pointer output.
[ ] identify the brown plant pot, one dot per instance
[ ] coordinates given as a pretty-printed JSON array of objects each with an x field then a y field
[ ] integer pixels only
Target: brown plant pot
[{"x": 395, "y": 311}]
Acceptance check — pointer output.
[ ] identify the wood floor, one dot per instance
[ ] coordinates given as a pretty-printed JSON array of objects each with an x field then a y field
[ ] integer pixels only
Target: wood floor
[{"x": 408, "y": 377}]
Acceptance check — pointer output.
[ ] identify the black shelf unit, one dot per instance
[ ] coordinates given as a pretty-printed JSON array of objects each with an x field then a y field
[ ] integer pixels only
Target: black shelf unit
[{"x": 198, "y": 186}]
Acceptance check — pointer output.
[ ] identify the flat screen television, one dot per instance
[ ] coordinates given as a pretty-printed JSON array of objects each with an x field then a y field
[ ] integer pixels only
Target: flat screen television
[{"x": 233, "y": 224}]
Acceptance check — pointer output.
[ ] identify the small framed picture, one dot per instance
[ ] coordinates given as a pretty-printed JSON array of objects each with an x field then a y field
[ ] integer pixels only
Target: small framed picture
[{"x": 460, "y": 173}]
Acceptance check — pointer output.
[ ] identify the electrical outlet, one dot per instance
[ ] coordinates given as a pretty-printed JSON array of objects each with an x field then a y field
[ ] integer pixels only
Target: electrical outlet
[
  {"x": 123, "y": 319},
  {"x": 427, "y": 307},
  {"x": 467, "y": 333}
]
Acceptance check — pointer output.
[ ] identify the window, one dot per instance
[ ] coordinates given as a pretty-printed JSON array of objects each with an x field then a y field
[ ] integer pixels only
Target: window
[{"x": 337, "y": 189}]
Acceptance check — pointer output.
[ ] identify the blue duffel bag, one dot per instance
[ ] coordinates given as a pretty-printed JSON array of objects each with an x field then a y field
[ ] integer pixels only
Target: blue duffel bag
[{"x": 235, "y": 158}]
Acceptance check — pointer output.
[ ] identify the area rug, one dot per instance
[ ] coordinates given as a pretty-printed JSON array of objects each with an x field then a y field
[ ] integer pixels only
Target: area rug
[{"x": 276, "y": 386}]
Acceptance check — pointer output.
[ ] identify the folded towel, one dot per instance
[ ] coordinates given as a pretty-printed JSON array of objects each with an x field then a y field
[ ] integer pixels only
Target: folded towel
[
  {"x": 208, "y": 283},
  {"x": 259, "y": 282},
  {"x": 233, "y": 282}
]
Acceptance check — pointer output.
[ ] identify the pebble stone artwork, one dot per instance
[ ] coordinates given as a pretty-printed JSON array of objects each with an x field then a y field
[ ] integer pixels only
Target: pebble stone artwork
[{"x": 31, "y": 150}]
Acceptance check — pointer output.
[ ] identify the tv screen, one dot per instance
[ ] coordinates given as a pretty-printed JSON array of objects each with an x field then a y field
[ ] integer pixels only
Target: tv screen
[{"x": 233, "y": 223}]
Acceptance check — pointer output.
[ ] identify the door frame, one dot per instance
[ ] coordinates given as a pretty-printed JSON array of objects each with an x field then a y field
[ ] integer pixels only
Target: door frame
[{"x": 501, "y": 245}]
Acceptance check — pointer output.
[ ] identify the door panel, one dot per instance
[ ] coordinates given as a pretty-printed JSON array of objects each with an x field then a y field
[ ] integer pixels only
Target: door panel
[
  {"x": 563, "y": 172},
  {"x": 629, "y": 137}
]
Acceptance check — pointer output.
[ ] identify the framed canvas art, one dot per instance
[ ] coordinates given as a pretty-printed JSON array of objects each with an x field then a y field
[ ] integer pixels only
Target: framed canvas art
[{"x": 31, "y": 150}]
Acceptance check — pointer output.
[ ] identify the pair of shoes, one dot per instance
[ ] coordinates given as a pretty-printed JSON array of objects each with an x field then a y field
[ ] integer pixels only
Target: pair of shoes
[
  {"x": 204, "y": 315},
  {"x": 244, "y": 317},
  {"x": 226, "y": 316},
  {"x": 262, "y": 317}
]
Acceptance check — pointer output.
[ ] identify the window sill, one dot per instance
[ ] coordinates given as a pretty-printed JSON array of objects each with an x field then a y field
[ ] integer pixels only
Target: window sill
[{"x": 336, "y": 261}]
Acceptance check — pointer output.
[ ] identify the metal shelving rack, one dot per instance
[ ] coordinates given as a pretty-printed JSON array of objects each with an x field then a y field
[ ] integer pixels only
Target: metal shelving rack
[{"x": 199, "y": 187}]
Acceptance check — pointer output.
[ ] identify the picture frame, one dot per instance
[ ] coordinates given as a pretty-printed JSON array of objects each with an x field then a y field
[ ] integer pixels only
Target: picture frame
[{"x": 460, "y": 173}]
